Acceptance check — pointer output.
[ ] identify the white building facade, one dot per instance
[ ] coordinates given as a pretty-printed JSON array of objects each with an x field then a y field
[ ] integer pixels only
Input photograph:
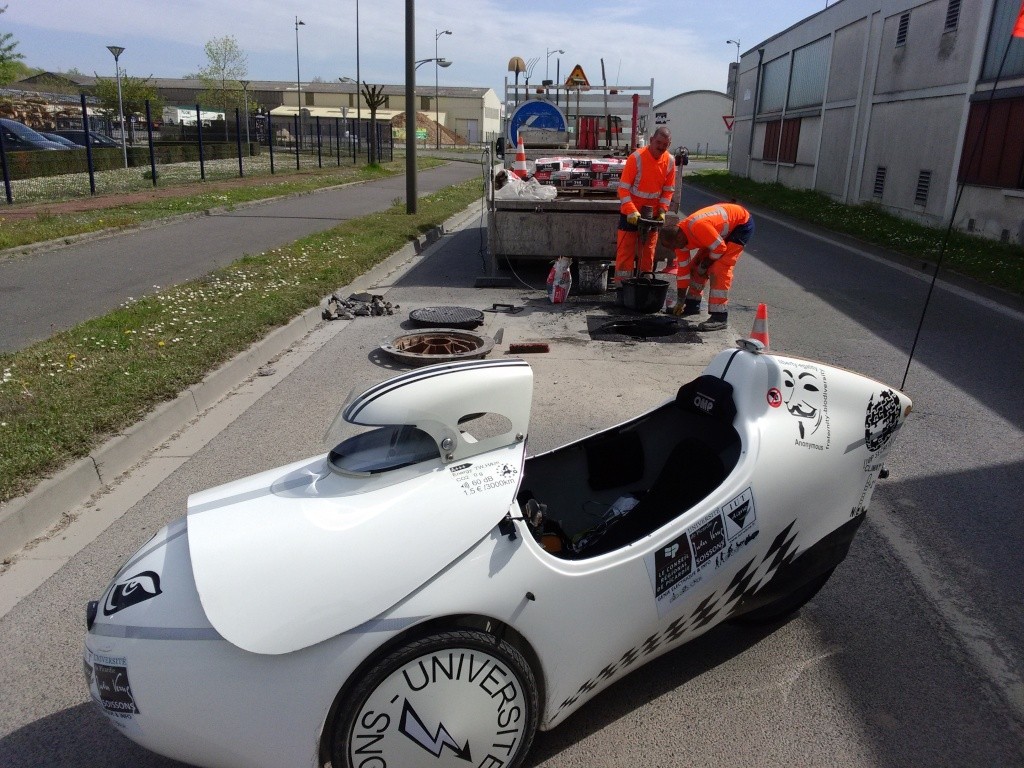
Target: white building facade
[
  {"x": 698, "y": 121},
  {"x": 896, "y": 103}
]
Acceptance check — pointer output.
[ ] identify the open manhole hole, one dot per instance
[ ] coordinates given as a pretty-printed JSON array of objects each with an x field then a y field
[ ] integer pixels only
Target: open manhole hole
[
  {"x": 647, "y": 328},
  {"x": 444, "y": 345}
]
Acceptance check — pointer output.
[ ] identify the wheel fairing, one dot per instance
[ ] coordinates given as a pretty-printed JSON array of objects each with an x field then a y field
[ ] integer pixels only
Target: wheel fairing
[{"x": 452, "y": 699}]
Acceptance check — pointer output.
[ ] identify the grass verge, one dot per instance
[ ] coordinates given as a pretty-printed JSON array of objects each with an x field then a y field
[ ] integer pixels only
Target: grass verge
[
  {"x": 172, "y": 198},
  {"x": 997, "y": 264},
  {"x": 62, "y": 397}
]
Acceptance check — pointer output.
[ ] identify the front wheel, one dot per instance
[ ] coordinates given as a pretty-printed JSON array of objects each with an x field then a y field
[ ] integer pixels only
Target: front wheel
[{"x": 461, "y": 698}]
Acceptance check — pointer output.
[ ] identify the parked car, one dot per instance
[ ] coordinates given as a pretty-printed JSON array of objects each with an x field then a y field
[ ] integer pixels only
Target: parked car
[
  {"x": 56, "y": 139},
  {"x": 426, "y": 594},
  {"x": 19, "y": 137},
  {"x": 97, "y": 139}
]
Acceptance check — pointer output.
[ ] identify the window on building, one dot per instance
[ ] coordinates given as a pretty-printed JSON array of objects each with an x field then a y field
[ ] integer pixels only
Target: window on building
[
  {"x": 901, "y": 31},
  {"x": 952, "y": 16},
  {"x": 810, "y": 66},
  {"x": 924, "y": 182},
  {"x": 308, "y": 96},
  {"x": 781, "y": 139},
  {"x": 425, "y": 105},
  {"x": 880, "y": 172},
  {"x": 774, "y": 79},
  {"x": 1004, "y": 54},
  {"x": 993, "y": 150}
]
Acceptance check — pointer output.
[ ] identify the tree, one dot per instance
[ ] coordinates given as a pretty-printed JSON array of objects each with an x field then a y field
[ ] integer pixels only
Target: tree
[
  {"x": 227, "y": 64},
  {"x": 135, "y": 92},
  {"x": 10, "y": 59},
  {"x": 375, "y": 98}
]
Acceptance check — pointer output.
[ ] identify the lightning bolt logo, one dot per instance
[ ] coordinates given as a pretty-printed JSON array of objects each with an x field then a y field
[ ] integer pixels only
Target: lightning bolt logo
[{"x": 412, "y": 726}]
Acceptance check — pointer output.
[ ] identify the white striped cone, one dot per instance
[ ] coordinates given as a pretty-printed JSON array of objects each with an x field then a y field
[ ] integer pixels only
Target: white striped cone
[
  {"x": 760, "y": 330},
  {"x": 519, "y": 167}
]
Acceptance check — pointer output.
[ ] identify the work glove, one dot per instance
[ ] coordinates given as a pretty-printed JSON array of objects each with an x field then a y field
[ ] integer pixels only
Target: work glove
[
  {"x": 633, "y": 218},
  {"x": 661, "y": 216}
]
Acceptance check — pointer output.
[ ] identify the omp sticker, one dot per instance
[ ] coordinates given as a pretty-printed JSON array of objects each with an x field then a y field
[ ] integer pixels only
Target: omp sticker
[{"x": 476, "y": 478}]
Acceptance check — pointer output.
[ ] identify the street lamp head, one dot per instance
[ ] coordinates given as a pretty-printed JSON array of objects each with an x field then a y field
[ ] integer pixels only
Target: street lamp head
[
  {"x": 443, "y": 63},
  {"x": 299, "y": 23},
  {"x": 117, "y": 50},
  {"x": 442, "y": 32}
]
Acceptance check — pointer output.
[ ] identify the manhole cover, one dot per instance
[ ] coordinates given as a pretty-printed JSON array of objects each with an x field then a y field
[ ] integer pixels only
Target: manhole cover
[
  {"x": 441, "y": 346},
  {"x": 648, "y": 328},
  {"x": 447, "y": 317}
]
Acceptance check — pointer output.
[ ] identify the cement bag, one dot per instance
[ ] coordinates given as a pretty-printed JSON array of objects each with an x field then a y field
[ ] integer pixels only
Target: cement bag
[{"x": 559, "y": 280}]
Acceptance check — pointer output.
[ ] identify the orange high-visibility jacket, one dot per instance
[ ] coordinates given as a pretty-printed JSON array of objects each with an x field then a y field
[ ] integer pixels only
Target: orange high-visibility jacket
[
  {"x": 708, "y": 227},
  {"x": 646, "y": 181}
]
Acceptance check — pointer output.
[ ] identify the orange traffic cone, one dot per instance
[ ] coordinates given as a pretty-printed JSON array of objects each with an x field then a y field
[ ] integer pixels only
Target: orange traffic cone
[
  {"x": 760, "y": 331},
  {"x": 519, "y": 167}
]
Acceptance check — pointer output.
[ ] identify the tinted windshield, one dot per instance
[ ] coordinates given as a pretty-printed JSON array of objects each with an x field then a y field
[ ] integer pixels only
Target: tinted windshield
[{"x": 383, "y": 449}]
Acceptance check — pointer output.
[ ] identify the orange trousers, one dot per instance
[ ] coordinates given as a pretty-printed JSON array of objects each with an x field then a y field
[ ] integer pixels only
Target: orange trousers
[
  {"x": 690, "y": 283},
  {"x": 625, "y": 254}
]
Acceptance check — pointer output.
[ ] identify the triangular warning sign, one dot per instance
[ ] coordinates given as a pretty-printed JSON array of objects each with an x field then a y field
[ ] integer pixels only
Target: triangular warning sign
[
  {"x": 728, "y": 120},
  {"x": 577, "y": 78}
]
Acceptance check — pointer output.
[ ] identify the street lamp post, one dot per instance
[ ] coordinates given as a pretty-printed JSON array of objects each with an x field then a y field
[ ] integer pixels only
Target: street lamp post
[
  {"x": 546, "y": 63},
  {"x": 437, "y": 105},
  {"x": 117, "y": 50},
  {"x": 245, "y": 96},
  {"x": 359, "y": 111},
  {"x": 298, "y": 83}
]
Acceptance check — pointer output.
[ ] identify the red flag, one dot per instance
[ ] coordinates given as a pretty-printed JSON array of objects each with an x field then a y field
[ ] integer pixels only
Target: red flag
[{"x": 1018, "y": 29}]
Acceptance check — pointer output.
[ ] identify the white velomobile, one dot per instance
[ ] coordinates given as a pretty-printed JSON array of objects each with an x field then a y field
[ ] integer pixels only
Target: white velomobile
[{"x": 426, "y": 595}]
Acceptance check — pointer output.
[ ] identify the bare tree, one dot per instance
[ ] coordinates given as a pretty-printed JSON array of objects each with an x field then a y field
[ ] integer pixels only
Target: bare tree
[
  {"x": 227, "y": 64},
  {"x": 375, "y": 98}
]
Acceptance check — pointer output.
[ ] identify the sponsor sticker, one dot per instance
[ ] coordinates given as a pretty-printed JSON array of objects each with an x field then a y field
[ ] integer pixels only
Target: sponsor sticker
[
  {"x": 109, "y": 685},
  {"x": 475, "y": 478},
  {"x": 706, "y": 545}
]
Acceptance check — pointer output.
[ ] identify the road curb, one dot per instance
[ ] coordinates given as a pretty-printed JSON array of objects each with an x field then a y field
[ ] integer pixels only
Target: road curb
[{"x": 29, "y": 517}]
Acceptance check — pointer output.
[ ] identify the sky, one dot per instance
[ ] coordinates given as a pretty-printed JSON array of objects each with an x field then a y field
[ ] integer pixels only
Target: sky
[{"x": 683, "y": 48}]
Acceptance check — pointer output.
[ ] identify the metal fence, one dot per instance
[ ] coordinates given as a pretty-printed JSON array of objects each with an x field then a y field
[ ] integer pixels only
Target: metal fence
[{"x": 199, "y": 150}]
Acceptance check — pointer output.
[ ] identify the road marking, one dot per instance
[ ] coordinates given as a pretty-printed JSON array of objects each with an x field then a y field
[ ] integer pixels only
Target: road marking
[{"x": 991, "y": 653}]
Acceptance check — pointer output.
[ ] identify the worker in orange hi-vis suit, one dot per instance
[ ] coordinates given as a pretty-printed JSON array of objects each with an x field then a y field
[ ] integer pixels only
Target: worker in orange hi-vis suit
[
  {"x": 649, "y": 179},
  {"x": 707, "y": 245}
]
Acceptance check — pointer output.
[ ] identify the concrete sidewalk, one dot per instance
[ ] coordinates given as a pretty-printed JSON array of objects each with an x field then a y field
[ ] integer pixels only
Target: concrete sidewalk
[
  {"x": 51, "y": 290},
  {"x": 292, "y": 384}
]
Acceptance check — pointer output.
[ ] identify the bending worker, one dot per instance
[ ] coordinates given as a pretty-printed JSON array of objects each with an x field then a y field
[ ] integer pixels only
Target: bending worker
[
  {"x": 707, "y": 245},
  {"x": 649, "y": 179}
]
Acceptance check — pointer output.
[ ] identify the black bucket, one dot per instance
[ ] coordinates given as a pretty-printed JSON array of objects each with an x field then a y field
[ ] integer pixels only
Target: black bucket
[{"x": 644, "y": 294}]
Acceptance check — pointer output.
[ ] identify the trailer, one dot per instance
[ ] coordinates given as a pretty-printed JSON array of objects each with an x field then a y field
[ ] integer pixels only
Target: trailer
[{"x": 583, "y": 124}]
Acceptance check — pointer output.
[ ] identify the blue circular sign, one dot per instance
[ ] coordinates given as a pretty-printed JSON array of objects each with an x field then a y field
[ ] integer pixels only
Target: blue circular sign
[{"x": 534, "y": 114}]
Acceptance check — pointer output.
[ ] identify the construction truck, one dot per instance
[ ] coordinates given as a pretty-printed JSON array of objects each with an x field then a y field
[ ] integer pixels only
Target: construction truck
[{"x": 575, "y": 138}]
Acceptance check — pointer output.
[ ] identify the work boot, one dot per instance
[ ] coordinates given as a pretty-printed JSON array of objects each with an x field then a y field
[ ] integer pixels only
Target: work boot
[{"x": 717, "y": 322}]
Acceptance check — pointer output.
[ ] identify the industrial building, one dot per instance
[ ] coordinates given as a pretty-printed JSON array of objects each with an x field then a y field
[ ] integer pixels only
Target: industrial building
[{"x": 896, "y": 103}]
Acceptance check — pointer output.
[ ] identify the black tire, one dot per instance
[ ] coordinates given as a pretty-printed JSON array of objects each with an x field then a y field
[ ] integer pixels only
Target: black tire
[
  {"x": 785, "y": 605},
  {"x": 450, "y": 699}
]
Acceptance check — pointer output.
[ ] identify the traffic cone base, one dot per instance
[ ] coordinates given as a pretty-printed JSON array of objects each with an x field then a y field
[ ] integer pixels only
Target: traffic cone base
[{"x": 760, "y": 330}]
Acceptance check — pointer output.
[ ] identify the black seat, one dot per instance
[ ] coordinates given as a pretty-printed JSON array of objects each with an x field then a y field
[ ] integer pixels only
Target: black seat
[{"x": 690, "y": 473}]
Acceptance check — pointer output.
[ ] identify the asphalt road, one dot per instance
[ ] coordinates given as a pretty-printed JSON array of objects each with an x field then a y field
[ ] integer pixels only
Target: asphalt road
[
  {"x": 913, "y": 654},
  {"x": 50, "y": 291}
]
